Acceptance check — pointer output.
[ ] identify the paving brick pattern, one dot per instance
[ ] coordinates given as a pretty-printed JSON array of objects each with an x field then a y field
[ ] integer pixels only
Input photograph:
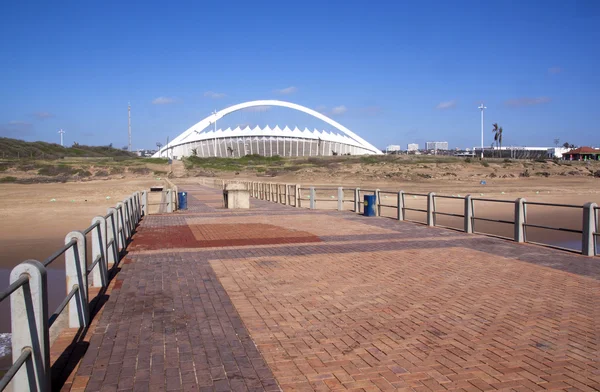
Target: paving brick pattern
[{"x": 373, "y": 305}]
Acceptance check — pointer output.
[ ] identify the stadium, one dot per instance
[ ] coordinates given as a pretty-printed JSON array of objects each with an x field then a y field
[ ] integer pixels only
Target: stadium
[{"x": 204, "y": 140}]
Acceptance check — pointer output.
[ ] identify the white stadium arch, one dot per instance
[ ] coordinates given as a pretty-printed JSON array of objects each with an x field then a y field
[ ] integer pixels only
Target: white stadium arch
[{"x": 204, "y": 142}]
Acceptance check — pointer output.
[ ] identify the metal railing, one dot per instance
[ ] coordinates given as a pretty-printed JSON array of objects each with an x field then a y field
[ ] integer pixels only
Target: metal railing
[
  {"x": 28, "y": 290},
  {"x": 589, "y": 230}
]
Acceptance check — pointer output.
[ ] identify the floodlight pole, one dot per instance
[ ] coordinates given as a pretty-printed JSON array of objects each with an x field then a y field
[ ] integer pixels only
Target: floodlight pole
[
  {"x": 61, "y": 137},
  {"x": 215, "y": 140},
  {"x": 482, "y": 108}
]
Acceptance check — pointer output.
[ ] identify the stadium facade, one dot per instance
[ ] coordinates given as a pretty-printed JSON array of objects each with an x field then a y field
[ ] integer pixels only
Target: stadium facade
[{"x": 203, "y": 141}]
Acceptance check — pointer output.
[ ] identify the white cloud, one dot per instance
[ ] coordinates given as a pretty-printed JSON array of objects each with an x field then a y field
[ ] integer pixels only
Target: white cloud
[
  {"x": 286, "y": 91},
  {"x": 554, "y": 70},
  {"x": 43, "y": 115},
  {"x": 212, "y": 94},
  {"x": 258, "y": 109},
  {"x": 446, "y": 105},
  {"x": 339, "y": 110},
  {"x": 164, "y": 100},
  {"x": 525, "y": 101}
]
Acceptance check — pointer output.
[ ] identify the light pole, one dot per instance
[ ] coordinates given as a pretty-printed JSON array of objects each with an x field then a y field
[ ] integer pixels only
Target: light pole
[
  {"x": 215, "y": 130},
  {"x": 482, "y": 108},
  {"x": 61, "y": 137}
]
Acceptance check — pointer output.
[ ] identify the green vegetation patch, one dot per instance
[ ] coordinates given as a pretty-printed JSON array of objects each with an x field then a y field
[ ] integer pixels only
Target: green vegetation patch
[{"x": 8, "y": 179}]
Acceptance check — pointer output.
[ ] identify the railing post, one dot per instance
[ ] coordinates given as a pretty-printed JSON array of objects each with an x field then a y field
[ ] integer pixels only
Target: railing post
[
  {"x": 588, "y": 240},
  {"x": 100, "y": 271},
  {"x": 127, "y": 217},
  {"x": 175, "y": 194},
  {"x": 169, "y": 201},
  {"x": 297, "y": 203},
  {"x": 340, "y": 199},
  {"x": 468, "y": 214},
  {"x": 356, "y": 201},
  {"x": 377, "y": 203},
  {"x": 76, "y": 271},
  {"x": 520, "y": 219},
  {"x": 111, "y": 234},
  {"x": 144, "y": 203},
  {"x": 29, "y": 327},
  {"x": 430, "y": 209},
  {"x": 312, "y": 198},
  {"x": 400, "y": 205},
  {"x": 121, "y": 227},
  {"x": 287, "y": 194}
]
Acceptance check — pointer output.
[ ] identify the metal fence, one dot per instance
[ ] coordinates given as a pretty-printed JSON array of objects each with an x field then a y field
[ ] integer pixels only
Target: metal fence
[
  {"x": 28, "y": 290},
  {"x": 423, "y": 208}
]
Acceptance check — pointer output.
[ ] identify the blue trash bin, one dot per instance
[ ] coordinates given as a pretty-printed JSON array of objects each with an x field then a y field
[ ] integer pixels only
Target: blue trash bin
[
  {"x": 370, "y": 201},
  {"x": 182, "y": 197}
]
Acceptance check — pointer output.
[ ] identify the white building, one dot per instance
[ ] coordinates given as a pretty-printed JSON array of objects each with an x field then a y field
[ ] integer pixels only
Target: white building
[
  {"x": 392, "y": 148},
  {"x": 557, "y": 152},
  {"x": 205, "y": 139},
  {"x": 437, "y": 146},
  {"x": 412, "y": 147}
]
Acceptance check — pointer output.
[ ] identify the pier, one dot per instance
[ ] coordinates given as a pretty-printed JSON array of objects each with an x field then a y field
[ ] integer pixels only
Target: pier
[{"x": 282, "y": 298}]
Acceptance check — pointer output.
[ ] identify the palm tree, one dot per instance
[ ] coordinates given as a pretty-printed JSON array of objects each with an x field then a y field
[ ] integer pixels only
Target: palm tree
[
  {"x": 495, "y": 130},
  {"x": 500, "y": 139}
]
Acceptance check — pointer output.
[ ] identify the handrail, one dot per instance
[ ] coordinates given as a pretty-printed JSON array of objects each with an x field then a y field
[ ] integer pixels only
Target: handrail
[
  {"x": 590, "y": 231},
  {"x": 448, "y": 214},
  {"x": 415, "y": 194},
  {"x": 535, "y": 203},
  {"x": 414, "y": 209},
  {"x": 11, "y": 373},
  {"x": 448, "y": 197},
  {"x": 94, "y": 263},
  {"x": 59, "y": 252},
  {"x": 106, "y": 232},
  {"x": 63, "y": 305},
  {"x": 14, "y": 286},
  {"x": 493, "y": 220},
  {"x": 91, "y": 227},
  {"x": 553, "y": 228},
  {"x": 493, "y": 200}
]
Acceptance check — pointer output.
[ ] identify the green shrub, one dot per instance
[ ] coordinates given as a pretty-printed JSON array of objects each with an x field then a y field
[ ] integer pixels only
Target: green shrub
[
  {"x": 468, "y": 160},
  {"x": 117, "y": 170},
  {"x": 485, "y": 164},
  {"x": 139, "y": 170},
  {"x": 52, "y": 171},
  {"x": 101, "y": 173},
  {"x": 161, "y": 161},
  {"x": 8, "y": 179}
]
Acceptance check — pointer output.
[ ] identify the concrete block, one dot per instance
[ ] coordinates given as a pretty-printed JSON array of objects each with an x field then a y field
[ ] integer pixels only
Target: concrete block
[{"x": 236, "y": 196}]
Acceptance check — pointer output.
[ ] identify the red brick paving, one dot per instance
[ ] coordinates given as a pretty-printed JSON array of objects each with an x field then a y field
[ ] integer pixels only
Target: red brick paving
[{"x": 430, "y": 310}]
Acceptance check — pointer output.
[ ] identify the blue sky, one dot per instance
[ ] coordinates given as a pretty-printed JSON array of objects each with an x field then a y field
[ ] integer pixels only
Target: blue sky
[{"x": 394, "y": 72}]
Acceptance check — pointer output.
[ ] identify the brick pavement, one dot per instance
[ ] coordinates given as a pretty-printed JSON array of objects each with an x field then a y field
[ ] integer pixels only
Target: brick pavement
[{"x": 374, "y": 304}]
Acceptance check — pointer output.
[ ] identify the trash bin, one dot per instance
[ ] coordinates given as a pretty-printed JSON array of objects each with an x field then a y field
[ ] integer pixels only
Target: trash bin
[
  {"x": 182, "y": 198},
  {"x": 370, "y": 201}
]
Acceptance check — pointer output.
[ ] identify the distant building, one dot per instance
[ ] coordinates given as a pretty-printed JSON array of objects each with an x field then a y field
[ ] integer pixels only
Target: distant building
[
  {"x": 582, "y": 154},
  {"x": 436, "y": 146},
  {"x": 392, "y": 148},
  {"x": 412, "y": 147},
  {"x": 557, "y": 152}
]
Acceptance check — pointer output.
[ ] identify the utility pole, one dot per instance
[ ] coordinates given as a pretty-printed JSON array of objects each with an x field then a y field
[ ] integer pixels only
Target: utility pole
[
  {"x": 482, "y": 108},
  {"x": 129, "y": 115},
  {"x": 61, "y": 137},
  {"x": 215, "y": 140}
]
